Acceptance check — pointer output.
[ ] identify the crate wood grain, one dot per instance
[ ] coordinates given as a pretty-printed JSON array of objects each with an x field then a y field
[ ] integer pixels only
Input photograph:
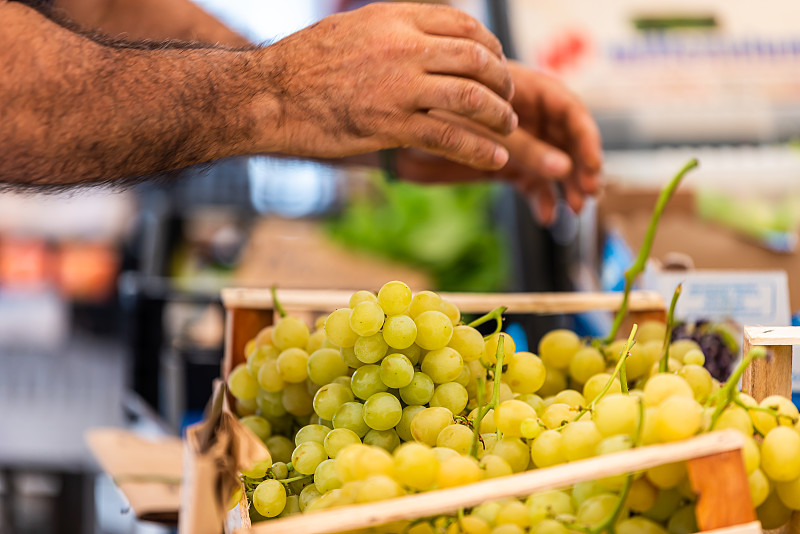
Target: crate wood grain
[
  {"x": 705, "y": 454},
  {"x": 771, "y": 375}
]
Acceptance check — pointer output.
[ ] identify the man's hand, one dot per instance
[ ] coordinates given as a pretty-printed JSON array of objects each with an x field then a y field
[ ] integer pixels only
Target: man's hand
[
  {"x": 557, "y": 142},
  {"x": 367, "y": 79}
]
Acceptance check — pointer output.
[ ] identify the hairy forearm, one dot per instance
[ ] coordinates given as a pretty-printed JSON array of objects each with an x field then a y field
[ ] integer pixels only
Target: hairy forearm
[
  {"x": 76, "y": 111},
  {"x": 150, "y": 19}
]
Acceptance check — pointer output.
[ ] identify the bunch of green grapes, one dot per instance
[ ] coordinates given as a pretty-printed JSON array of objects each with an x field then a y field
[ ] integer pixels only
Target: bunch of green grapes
[{"x": 403, "y": 397}]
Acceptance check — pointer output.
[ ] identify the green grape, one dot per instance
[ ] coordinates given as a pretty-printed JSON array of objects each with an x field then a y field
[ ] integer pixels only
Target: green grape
[
  {"x": 308, "y": 496},
  {"x": 434, "y": 330},
  {"x": 403, "y": 428},
  {"x": 554, "y": 381},
  {"x": 366, "y": 319},
  {"x": 382, "y": 411},
  {"x": 350, "y": 415},
  {"x": 338, "y": 330},
  {"x": 571, "y": 398},
  {"x": 426, "y": 425},
  {"x": 394, "y": 298},
  {"x": 296, "y": 399},
  {"x": 366, "y": 381},
  {"x": 357, "y": 462},
  {"x": 760, "y": 488},
  {"x": 558, "y": 414},
  {"x": 329, "y": 398},
  {"x": 419, "y": 390},
  {"x": 616, "y": 414},
  {"x": 667, "y": 476},
  {"x": 370, "y": 349},
  {"x": 531, "y": 428},
  {"x": 249, "y": 348},
  {"x": 378, "y": 488},
  {"x": 751, "y": 455},
  {"x": 451, "y": 311},
  {"x": 241, "y": 384},
  {"x": 736, "y": 418},
  {"x": 385, "y": 439},
  {"x": 651, "y": 331},
  {"x": 456, "y": 437},
  {"x": 582, "y": 491},
  {"x": 413, "y": 353},
  {"x": 258, "y": 357},
  {"x": 245, "y": 407},
  {"x": 326, "y": 365},
  {"x": 329, "y": 500},
  {"x": 269, "y": 498},
  {"x": 493, "y": 466},
  {"x": 260, "y": 426},
  {"x": 362, "y": 296},
  {"x": 699, "y": 379},
  {"x": 442, "y": 365},
  {"x": 337, "y": 439},
  {"x": 546, "y": 449},
  {"x": 579, "y": 440},
  {"x": 586, "y": 363},
  {"x": 399, "y": 331},
  {"x": 638, "y": 363},
  {"x": 415, "y": 466},
  {"x": 548, "y": 504},
  {"x": 679, "y": 348},
  {"x": 525, "y": 372},
  {"x": 450, "y": 395},
  {"x": 673, "y": 366},
  {"x": 348, "y": 354},
  {"x": 465, "y": 377},
  {"x": 678, "y": 418},
  {"x": 557, "y": 347},
  {"x": 316, "y": 341},
  {"x": 513, "y": 450},
  {"x": 642, "y": 495},
  {"x": 665, "y": 385},
  {"x": 311, "y": 433},
  {"x": 292, "y": 506},
  {"x": 293, "y": 365},
  {"x": 259, "y": 470},
  {"x": 279, "y": 469},
  {"x": 264, "y": 337},
  {"x": 595, "y": 384},
  {"x": 639, "y": 525},
  {"x": 307, "y": 456},
  {"x": 280, "y": 447},
  {"x": 458, "y": 470},
  {"x": 773, "y": 513},
  {"x": 765, "y": 422},
  {"x": 487, "y": 511},
  {"x": 694, "y": 357},
  {"x": 535, "y": 401},
  {"x": 490, "y": 348},
  {"x": 596, "y": 509},
  {"x": 424, "y": 301},
  {"x": 396, "y": 371},
  {"x": 290, "y": 332},
  {"x": 665, "y": 505},
  {"x": 468, "y": 342},
  {"x": 513, "y": 512},
  {"x": 683, "y": 521},
  {"x": 325, "y": 478},
  {"x": 780, "y": 454},
  {"x": 546, "y": 526},
  {"x": 509, "y": 415}
]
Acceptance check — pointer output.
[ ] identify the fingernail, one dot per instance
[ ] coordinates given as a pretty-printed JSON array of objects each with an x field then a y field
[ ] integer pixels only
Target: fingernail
[
  {"x": 500, "y": 157},
  {"x": 514, "y": 122},
  {"x": 556, "y": 163}
]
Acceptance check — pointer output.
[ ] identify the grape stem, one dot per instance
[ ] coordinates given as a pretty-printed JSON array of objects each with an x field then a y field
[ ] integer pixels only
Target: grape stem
[
  {"x": 276, "y": 302},
  {"x": 285, "y": 481},
  {"x": 618, "y": 370},
  {"x": 647, "y": 244},
  {"x": 728, "y": 392},
  {"x": 484, "y": 408},
  {"x": 663, "y": 365},
  {"x": 494, "y": 315}
]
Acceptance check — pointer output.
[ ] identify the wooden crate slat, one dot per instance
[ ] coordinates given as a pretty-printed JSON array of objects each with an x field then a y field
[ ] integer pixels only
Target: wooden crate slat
[
  {"x": 748, "y": 528},
  {"x": 542, "y": 303},
  {"x": 772, "y": 335},
  {"x": 771, "y": 375},
  {"x": 450, "y": 500},
  {"x": 721, "y": 478}
]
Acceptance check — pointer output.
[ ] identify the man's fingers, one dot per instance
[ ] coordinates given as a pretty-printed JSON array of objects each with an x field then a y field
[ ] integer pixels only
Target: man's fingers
[
  {"x": 447, "y": 21},
  {"x": 469, "y": 99},
  {"x": 537, "y": 157},
  {"x": 454, "y": 142},
  {"x": 463, "y": 57}
]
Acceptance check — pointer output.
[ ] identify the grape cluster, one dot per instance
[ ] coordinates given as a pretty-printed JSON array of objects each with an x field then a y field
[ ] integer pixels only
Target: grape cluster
[
  {"x": 395, "y": 395},
  {"x": 716, "y": 341}
]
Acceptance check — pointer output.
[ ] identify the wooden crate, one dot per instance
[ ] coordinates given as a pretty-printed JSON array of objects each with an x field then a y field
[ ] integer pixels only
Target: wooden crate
[{"x": 722, "y": 508}]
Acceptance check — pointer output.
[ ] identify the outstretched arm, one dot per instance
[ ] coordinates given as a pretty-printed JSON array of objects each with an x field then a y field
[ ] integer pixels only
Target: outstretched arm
[
  {"x": 150, "y": 19},
  {"x": 76, "y": 110}
]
